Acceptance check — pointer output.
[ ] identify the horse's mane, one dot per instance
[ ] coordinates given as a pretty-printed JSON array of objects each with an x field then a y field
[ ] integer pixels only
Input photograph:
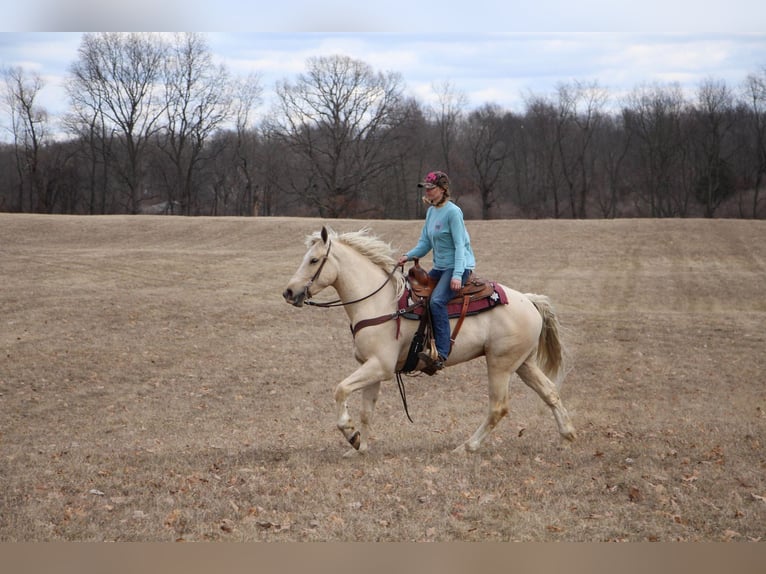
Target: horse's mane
[{"x": 372, "y": 247}]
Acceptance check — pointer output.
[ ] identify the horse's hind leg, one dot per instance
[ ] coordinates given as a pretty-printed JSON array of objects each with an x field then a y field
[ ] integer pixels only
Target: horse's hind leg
[
  {"x": 533, "y": 376},
  {"x": 499, "y": 377}
]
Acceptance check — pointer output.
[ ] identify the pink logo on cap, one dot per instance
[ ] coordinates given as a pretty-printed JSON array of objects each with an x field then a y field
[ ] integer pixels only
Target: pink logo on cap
[{"x": 433, "y": 177}]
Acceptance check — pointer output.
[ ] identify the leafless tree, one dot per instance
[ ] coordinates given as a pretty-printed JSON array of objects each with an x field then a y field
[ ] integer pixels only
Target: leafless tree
[
  {"x": 714, "y": 120},
  {"x": 488, "y": 148},
  {"x": 198, "y": 101},
  {"x": 541, "y": 126},
  {"x": 580, "y": 112},
  {"x": 338, "y": 118},
  {"x": 448, "y": 114},
  {"x": 754, "y": 91},
  {"x": 247, "y": 96},
  {"x": 399, "y": 194},
  {"x": 519, "y": 180},
  {"x": 611, "y": 146},
  {"x": 118, "y": 77},
  {"x": 653, "y": 116},
  {"x": 86, "y": 122},
  {"x": 29, "y": 125}
]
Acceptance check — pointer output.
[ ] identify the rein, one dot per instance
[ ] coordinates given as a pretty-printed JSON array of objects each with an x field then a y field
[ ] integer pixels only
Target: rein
[{"x": 338, "y": 302}]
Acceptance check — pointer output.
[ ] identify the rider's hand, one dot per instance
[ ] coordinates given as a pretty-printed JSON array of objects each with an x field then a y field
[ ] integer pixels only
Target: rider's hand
[
  {"x": 455, "y": 284},
  {"x": 403, "y": 259}
]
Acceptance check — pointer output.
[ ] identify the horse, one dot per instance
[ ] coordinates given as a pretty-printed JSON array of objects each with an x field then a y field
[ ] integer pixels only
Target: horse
[{"x": 522, "y": 336}]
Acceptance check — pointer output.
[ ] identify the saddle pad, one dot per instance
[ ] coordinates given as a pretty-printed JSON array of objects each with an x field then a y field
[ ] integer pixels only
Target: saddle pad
[{"x": 497, "y": 297}]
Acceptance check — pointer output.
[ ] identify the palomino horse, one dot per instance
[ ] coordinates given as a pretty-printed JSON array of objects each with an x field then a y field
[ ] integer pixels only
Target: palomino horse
[{"x": 520, "y": 337}]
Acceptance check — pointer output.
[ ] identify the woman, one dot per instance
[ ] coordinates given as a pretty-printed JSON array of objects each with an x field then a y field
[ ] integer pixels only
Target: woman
[{"x": 443, "y": 232}]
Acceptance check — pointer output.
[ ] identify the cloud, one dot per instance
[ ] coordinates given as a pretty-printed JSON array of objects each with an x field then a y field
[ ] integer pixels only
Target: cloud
[
  {"x": 487, "y": 67},
  {"x": 102, "y": 15},
  {"x": 426, "y": 17}
]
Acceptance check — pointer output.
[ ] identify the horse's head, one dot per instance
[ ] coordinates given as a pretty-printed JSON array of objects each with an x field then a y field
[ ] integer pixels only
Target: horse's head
[{"x": 314, "y": 273}]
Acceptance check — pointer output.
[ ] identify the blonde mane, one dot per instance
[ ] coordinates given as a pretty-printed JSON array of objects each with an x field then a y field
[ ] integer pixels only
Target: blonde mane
[{"x": 373, "y": 248}]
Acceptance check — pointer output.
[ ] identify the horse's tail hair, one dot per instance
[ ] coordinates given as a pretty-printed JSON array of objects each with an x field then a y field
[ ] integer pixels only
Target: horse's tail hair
[{"x": 550, "y": 348}]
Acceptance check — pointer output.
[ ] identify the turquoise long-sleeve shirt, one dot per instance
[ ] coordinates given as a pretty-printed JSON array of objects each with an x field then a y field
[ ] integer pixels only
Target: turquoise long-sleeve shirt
[{"x": 444, "y": 232}]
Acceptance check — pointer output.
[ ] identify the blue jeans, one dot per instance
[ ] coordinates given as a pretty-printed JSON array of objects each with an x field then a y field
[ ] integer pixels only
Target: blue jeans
[{"x": 441, "y": 294}]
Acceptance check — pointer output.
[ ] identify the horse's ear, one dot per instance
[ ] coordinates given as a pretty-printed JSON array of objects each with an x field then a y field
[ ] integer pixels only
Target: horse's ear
[{"x": 324, "y": 235}]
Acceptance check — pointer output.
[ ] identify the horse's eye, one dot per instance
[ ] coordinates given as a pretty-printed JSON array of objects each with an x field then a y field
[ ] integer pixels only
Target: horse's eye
[{"x": 314, "y": 261}]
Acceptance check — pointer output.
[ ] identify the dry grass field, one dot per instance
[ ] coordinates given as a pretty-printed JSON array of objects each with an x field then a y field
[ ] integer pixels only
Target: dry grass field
[{"x": 154, "y": 386}]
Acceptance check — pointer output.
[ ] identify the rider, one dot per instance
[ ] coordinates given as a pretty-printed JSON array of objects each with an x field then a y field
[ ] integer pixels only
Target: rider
[{"x": 443, "y": 232}]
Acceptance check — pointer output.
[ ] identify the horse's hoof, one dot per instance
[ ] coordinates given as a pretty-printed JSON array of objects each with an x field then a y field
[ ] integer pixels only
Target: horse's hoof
[
  {"x": 461, "y": 450},
  {"x": 355, "y": 440},
  {"x": 570, "y": 436}
]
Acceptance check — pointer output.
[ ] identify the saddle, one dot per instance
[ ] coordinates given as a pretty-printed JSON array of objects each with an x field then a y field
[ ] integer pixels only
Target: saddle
[
  {"x": 477, "y": 295},
  {"x": 422, "y": 285}
]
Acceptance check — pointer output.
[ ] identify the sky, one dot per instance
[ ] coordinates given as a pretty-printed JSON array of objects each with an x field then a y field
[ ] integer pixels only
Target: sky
[{"x": 492, "y": 52}]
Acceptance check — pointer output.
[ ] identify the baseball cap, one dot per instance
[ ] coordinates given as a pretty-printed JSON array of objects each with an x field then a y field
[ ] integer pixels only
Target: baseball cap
[{"x": 435, "y": 179}]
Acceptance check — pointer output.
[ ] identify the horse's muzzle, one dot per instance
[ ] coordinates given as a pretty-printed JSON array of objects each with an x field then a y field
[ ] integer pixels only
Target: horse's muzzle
[{"x": 295, "y": 299}]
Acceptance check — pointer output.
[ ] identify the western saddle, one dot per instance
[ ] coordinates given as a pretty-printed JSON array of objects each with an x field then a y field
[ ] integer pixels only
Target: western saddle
[{"x": 421, "y": 286}]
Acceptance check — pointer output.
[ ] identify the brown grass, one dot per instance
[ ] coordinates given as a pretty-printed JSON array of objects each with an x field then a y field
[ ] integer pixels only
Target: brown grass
[{"x": 155, "y": 387}]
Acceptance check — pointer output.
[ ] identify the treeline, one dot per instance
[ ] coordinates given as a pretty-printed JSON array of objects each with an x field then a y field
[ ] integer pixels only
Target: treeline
[{"x": 155, "y": 126}]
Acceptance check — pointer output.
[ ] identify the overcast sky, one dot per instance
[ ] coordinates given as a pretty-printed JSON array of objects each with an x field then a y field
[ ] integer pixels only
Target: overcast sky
[{"x": 490, "y": 51}]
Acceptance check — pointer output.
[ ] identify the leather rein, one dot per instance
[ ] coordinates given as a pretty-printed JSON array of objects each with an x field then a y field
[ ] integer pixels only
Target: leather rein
[{"x": 338, "y": 302}]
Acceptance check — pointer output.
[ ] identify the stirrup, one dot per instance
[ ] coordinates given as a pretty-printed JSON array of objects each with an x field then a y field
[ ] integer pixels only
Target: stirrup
[{"x": 431, "y": 365}]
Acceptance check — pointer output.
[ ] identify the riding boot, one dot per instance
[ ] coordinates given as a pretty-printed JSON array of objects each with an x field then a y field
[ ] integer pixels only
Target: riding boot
[{"x": 431, "y": 365}]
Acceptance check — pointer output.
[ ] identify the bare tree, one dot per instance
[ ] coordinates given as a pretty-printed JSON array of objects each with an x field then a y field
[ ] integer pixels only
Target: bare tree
[
  {"x": 400, "y": 196},
  {"x": 447, "y": 115},
  {"x": 520, "y": 176},
  {"x": 242, "y": 160},
  {"x": 88, "y": 124},
  {"x": 612, "y": 145},
  {"x": 117, "y": 76},
  {"x": 754, "y": 91},
  {"x": 541, "y": 125},
  {"x": 247, "y": 95},
  {"x": 488, "y": 148},
  {"x": 653, "y": 116},
  {"x": 29, "y": 123},
  {"x": 197, "y": 102},
  {"x": 580, "y": 112},
  {"x": 338, "y": 118},
  {"x": 714, "y": 115}
]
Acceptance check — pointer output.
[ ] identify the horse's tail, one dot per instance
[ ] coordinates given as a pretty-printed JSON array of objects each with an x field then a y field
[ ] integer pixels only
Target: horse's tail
[{"x": 550, "y": 348}]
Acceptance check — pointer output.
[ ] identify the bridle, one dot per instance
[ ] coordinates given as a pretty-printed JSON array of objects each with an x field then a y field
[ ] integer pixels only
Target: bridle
[
  {"x": 315, "y": 276},
  {"x": 338, "y": 302}
]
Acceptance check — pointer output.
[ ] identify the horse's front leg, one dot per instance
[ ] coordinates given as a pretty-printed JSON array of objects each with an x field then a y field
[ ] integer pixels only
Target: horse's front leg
[
  {"x": 366, "y": 377},
  {"x": 370, "y": 396}
]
